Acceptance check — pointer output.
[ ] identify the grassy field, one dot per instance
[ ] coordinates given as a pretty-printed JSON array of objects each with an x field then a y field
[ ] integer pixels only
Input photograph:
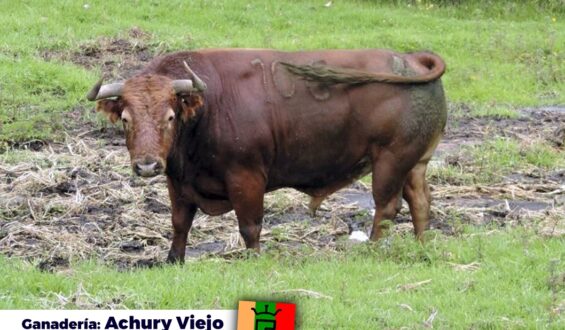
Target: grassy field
[
  {"x": 485, "y": 266},
  {"x": 499, "y": 55},
  {"x": 479, "y": 280}
]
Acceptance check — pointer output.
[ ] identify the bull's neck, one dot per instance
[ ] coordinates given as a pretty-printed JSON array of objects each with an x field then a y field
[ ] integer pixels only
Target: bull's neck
[{"x": 182, "y": 159}]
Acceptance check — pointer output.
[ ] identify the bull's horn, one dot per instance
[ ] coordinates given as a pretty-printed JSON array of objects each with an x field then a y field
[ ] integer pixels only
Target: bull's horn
[
  {"x": 182, "y": 86},
  {"x": 198, "y": 83},
  {"x": 100, "y": 91}
]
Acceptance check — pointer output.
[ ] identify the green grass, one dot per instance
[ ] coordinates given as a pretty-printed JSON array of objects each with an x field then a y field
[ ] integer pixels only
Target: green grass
[
  {"x": 450, "y": 174},
  {"x": 507, "y": 53},
  {"x": 494, "y": 111},
  {"x": 501, "y": 156},
  {"x": 490, "y": 161},
  {"x": 517, "y": 284}
]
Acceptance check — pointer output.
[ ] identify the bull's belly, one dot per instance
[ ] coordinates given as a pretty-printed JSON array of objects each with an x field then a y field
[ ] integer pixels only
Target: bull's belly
[
  {"x": 210, "y": 206},
  {"x": 322, "y": 181}
]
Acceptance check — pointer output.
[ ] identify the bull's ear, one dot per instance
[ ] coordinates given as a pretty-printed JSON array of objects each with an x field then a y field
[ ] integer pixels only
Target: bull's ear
[
  {"x": 189, "y": 104},
  {"x": 111, "y": 108}
]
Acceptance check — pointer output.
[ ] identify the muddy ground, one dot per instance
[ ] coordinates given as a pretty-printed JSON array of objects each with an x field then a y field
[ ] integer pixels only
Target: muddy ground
[{"x": 78, "y": 200}]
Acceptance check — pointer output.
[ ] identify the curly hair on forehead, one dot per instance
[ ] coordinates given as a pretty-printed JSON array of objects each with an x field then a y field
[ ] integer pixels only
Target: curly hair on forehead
[{"x": 149, "y": 91}]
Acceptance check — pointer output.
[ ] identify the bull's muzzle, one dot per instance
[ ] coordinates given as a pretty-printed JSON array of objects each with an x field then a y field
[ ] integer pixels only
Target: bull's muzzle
[{"x": 148, "y": 167}]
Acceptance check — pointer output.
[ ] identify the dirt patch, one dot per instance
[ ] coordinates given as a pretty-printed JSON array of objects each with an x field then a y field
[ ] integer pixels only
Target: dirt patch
[
  {"x": 118, "y": 58},
  {"x": 545, "y": 123},
  {"x": 35, "y": 145},
  {"x": 52, "y": 264},
  {"x": 78, "y": 200}
]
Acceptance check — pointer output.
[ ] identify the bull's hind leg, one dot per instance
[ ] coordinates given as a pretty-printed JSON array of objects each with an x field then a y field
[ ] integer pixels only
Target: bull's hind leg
[
  {"x": 387, "y": 183},
  {"x": 417, "y": 194}
]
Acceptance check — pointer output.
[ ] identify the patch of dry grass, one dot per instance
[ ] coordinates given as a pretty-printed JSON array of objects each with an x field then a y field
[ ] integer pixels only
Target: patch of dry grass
[{"x": 77, "y": 200}]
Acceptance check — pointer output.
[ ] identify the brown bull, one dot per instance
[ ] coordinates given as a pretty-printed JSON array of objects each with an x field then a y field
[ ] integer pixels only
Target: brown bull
[{"x": 259, "y": 120}]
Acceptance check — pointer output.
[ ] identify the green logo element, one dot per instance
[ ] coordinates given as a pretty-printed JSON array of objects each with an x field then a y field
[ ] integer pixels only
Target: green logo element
[{"x": 265, "y": 320}]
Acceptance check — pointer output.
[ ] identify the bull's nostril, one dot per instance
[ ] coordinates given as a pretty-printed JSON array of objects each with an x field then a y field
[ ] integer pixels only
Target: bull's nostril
[{"x": 147, "y": 169}]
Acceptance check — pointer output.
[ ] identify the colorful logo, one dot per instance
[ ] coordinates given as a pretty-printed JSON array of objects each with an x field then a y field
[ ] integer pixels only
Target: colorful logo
[{"x": 260, "y": 315}]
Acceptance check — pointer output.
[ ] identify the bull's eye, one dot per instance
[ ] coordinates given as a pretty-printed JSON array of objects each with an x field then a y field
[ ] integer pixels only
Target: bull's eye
[
  {"x": 171, "y": 118},
  {"x": 126, "y": 118}
]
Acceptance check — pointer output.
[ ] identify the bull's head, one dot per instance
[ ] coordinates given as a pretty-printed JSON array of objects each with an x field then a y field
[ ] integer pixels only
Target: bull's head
[{"x": 150, "y": 107}]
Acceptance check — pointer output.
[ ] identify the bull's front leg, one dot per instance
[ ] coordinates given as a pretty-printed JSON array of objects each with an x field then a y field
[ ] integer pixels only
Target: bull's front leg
[
  {"x": 246, "y": 190},
  {"x": 182, "y": 216}
]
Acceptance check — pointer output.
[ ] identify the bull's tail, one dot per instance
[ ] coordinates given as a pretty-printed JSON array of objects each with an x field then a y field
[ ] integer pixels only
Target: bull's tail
[{"x": 332, "y": 75}]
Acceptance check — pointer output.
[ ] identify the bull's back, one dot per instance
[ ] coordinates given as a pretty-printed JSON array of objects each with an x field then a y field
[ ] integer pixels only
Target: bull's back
[{"x": 234, "y": 61}]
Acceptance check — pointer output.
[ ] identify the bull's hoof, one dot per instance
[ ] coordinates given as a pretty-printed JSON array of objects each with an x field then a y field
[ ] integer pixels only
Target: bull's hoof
[
  {"x": 315, "y": 205},
  {"x": 174, "y": 258}
]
